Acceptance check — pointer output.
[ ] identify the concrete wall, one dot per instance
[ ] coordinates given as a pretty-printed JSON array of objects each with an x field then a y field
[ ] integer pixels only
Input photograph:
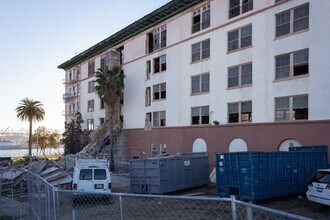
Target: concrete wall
[{"x": 265, "y": 137}]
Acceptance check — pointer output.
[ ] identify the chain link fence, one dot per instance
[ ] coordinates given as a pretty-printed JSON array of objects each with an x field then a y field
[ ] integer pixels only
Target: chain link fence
[
  {"x": 47, "y": 202},
  {"x": 12, "y": 206}
]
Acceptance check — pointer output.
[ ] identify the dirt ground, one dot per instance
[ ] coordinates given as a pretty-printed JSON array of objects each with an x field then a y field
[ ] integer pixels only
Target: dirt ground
[{"x": 295, "y": 204}]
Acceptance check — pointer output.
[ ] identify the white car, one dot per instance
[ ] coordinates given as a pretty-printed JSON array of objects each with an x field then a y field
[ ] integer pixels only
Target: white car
[
  {"x": 91, "y": 175},
  {"x": 319, "y": 187}
]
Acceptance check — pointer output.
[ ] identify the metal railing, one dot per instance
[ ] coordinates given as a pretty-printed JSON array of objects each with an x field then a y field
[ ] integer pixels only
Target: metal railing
[{"x": 48, "y": 202}]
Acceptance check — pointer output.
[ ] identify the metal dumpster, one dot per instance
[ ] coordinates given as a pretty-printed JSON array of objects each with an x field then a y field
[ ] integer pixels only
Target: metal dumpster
[
  {"x": 260, "y": 175},
  {"x": 171, "y": 173}
]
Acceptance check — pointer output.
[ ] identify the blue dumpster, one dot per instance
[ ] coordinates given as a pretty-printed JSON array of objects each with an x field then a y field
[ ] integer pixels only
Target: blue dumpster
[{"x": 260, "y": 175}]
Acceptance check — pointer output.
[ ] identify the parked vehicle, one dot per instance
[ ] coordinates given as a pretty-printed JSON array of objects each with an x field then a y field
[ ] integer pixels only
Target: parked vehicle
[
  {"x": 91, "y": 175},
  {"x": 319, "y": 187}
]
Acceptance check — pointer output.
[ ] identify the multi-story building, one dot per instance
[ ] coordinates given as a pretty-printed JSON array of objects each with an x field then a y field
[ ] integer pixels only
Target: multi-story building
[{"x": 216, "y": 76}]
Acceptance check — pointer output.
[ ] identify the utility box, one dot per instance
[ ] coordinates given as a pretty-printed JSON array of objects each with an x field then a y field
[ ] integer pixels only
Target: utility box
[
  {"x": 161, "y": 175},
  {"x": 260, "y": 175}
]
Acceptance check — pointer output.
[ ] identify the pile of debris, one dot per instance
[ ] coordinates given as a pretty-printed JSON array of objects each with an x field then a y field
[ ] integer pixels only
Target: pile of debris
[{"x": 13, "y": 178}]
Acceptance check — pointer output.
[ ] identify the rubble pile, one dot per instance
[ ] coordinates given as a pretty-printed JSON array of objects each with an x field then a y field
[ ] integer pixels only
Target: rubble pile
[{"x": 13, "y": 178}]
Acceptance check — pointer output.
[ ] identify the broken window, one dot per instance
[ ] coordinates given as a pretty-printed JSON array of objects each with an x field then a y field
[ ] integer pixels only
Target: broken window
[
  {"x": 156, "y": 39},
  {"x": 240, "y": 38},
  {"x": 163, "y": 148},
  {"x": 153, "y": 150},
  {"x": 292, "y": 21},
  {"x": 240, "y": 112},
  {"x": 121, "y": 54},
  {"x": 240, "y": 75},
  {"x": 292, "y": 64},
  {"x": 101, "y": 121},
  {"x": 300, "y": 107},
  {"x": 148, "y": 97},
  {"x": 148, "y": 69},
  {"x": 159, "y": 91},
  {"x": 160, "y": 64},
  {"x": 148, "y": 119},
  {"x": 200, "y": 50},
  {"x": 102, "y": 105},
  {"x": 291, "y": 108},
  {"x": 200, "y": 115},
  {"x": 200, "y": 83},
  {"x": 300, "y": 62},
  {"x": 201, "y": 19},
  {"x": 237, "y": 7}
]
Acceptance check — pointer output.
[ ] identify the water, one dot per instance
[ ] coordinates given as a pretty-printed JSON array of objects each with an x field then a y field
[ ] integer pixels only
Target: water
[{"x": 24, "y": 152}]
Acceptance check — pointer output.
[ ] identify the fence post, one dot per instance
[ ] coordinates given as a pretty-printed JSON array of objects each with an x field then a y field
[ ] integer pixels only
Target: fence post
[
  {"x": 121, "y": 208},
  {"x": 74, "y": 212},
  {"x": 233, "y": 208},
  {"x": 249, "y": 212},
  {"x": 54, "y": 204}
]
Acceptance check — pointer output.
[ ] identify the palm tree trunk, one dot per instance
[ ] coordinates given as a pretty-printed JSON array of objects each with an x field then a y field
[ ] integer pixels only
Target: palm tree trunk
[
  {"x": 109, "y": 116},
  {"x": 30, "y": 137}
]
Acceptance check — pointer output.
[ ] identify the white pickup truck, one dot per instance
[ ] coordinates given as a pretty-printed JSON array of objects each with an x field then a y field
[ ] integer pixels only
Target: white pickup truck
[{"x": 91, "y": 175}]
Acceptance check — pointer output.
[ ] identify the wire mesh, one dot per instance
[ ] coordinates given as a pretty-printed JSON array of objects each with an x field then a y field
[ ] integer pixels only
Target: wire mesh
[{"x": 47, "y": 202}]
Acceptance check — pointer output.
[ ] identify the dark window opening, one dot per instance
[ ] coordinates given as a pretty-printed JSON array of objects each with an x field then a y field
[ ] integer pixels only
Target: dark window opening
[
  {"x": 100, "y": 174},
  {"x": 150, "y": 39},
  {"x": 85, "y": 174}
]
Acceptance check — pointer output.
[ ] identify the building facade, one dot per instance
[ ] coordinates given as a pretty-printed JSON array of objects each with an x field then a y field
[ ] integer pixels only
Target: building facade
[{"x": 215, "y": 76}]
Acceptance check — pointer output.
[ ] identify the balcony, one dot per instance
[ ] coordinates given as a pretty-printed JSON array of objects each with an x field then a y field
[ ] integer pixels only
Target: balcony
[
  {"x": 72, "y": 80},
  {"x": 69, "y": 112},
  {"x": 67, "y": 96}
]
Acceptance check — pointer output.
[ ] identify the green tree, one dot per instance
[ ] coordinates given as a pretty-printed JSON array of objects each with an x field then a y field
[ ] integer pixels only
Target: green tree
[
  {"x": 109, "y": 86},
  {"x": 71, "y": 135},
  {"x": 45, "y": 138},
  {"x": 54, "y": 139},
  {"x": 30, "y": 110}
]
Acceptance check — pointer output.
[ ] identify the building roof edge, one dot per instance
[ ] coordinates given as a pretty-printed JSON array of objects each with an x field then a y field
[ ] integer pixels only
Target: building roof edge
[{"x": 157, "y": 16}]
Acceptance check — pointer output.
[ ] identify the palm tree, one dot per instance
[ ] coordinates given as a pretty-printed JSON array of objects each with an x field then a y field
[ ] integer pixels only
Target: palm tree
[
  {"x": 30, "y": 110},
  {"x": 109, "y": 86}
]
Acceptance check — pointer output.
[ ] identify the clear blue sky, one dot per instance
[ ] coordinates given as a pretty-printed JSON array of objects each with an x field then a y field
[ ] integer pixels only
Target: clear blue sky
[{"x": 38, "y": 35}]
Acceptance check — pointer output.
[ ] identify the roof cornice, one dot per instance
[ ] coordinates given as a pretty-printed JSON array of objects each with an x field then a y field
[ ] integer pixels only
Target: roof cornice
[{"x": 152, "y": 19}]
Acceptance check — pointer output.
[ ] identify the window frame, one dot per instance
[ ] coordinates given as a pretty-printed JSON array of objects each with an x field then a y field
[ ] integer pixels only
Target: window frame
[
  {"x": 153, "y": 150},
  {"x": 148, "y": 69},
  {"x": 202, "y": 12},
  {"x": 201, "y": 50},
  {"x": 90, "y": 105},
  {"x": 240, "y": 8},
  {"x": 91, "y": 86},
  {"x": 148, "y": 96},
  {"x": 200, "y": 84},
  {"x": 159, "y": 119},
  {"x": 161, "y": 92},
  {"x": 239, "y": 112},
  {"x": 161, "y": 32},
  {"x": 291, "y": 66},
  {"x": 239, "y": 76},
  {"x": 90, "y": 124},
  {"x": 239, "y": 39},
  {"x": 91, "y": 68},
  {"x": 292, "y": 21},
  {"x": 200, "y": 115},
  {"x": 290, "y": 109},
  {"x": 159, "y": 64}
]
